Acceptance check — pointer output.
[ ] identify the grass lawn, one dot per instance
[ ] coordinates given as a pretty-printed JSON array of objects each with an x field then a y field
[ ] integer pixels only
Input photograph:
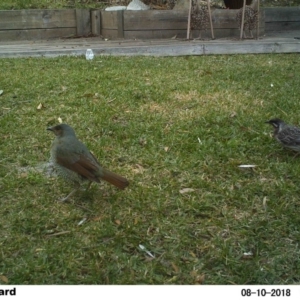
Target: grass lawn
[{"x": 177, "y": 128}]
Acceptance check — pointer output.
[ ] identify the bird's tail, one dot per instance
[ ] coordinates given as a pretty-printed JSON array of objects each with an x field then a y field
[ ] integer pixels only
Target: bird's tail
[{"x": 114, "y": 179}]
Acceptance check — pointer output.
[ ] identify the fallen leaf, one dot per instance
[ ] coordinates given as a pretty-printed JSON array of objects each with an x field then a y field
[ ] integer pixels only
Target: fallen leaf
[
  {"x": 142, "y": 142},
  {"x": 4, "y": 278},
  {"x": 1, "y": 92},
  {"x": 265, "y": 202},
  {"x": 193, "y": 254},
  {"x": 23, "y": 175},
  {"x": 97, "y": 218},
  {"x": 138, "y": 169},
  {"x": 39, "y": 249},
  {"x": 200, "y": 278},
  {"x": 118, "y": 222},
  {"x": 40, "y": 106},
  {"x": 186, "y": 190},
  {"x": 166, "y": 149},
  {"x": 59, "y": 120},
  {"x": 176, "y": 269}
]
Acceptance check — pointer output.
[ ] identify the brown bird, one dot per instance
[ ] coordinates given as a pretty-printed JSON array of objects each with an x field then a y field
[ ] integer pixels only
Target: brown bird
[
  {"x": 250, "y": 20},
  {"x": 75, "y": 163},
  {"x": 199, "y": 17},
  {"x": 286, "y": 135}
]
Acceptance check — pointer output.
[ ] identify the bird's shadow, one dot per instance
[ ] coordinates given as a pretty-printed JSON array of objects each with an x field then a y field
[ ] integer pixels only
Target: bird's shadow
[
  {"x": 282, "y": 154},
  {"x": 97, "y": 195}
]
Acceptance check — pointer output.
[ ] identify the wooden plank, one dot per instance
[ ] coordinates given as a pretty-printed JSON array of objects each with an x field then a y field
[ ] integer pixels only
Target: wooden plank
[
  {"x": 282, "y": 26},
  {"x": 170, "y": 20},
  {"x": 120, "y": 23},
  {"x": 181, "y": 33},
  {"x": 155, "y": 34},
  {"x": 109, "y": 20},
  {"x": 95, "y": 22},
  {"x": 83, "y": 22},
  {"x": 155, "y": 19},
  {"x": 37, "y": 18},
  {"x": 36, "y": 34},
  {"x": 193, "y": 48},
  {"x": 109, "y": 33},
  {"x": 281, "y": 43},
  {"x": 227, "y": 18},
  {"x": 282, "y": 14}
]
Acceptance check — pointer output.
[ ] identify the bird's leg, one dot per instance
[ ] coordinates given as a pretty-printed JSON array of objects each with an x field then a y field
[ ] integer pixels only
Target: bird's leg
[
  {"x": 77, "y": 186},
  {"x": 251, "y": 34},
  {"x": 66, "y": 198},
  {"x": 199, "y": 37},
  {"x": 89, "y": 185}
]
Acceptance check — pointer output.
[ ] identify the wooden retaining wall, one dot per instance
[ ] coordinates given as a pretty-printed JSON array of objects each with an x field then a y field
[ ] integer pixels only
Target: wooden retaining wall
[
  {"x": 166, "y": 24},
  {"x": 284, "y": 18},
  {"x": 47, "y": 24},
  {"x": 38, "y": 24}
]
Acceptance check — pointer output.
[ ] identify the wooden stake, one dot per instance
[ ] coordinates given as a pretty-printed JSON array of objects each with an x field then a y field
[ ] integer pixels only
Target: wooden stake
[
  {"x": 243, "y": 17},
  {"x": 189, "y": 21},
  {"x": 257, "y": 25},
  {"x": 210, "y": 20}
]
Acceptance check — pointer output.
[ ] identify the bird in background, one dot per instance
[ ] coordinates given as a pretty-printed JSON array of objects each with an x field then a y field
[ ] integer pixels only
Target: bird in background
[
  {"x": 250, "y": 18},
  {"x": 76, "y": 164},
  {"x": 199, "y": 17},
  {"x": 287, "y": 135}
]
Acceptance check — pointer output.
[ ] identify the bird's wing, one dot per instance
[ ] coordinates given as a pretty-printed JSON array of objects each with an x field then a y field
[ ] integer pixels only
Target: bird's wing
[
  {"x": 290, "y": 136},
  {"x": 82, "y": 166},
  {"x": 77, "y": 161}
]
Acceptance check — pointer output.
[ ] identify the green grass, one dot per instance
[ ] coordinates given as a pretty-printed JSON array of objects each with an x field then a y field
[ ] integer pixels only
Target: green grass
[{"x": 166, "y": 124}]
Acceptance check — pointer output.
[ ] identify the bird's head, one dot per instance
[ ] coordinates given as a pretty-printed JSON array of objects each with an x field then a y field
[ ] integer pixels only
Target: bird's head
[
  {"x": 62, "y": 130},
  {"x": 276, "y": 123}
]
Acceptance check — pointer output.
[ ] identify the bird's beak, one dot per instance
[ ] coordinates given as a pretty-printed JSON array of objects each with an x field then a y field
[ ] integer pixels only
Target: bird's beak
[{"x": 50, "y": 128}]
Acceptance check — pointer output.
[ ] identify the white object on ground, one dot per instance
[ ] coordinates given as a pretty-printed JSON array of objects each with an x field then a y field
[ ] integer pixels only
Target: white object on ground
[
  {"x": 89, "y": 55},
  {"x": 247, "y": 166},
  {"x": 114, "y": 8},
  {"x": 142, "y": 247},
  {"x": 137, "y": 5}
]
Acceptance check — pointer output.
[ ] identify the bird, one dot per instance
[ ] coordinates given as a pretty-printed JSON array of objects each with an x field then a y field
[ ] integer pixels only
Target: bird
[
  {"x": 250, "y": 19},
  {"x": 286, "y": 135},
  {"x": 199, "y": 17},
  {"x": 171, "y": 4},
  {"x": 75, "y": 163}
]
